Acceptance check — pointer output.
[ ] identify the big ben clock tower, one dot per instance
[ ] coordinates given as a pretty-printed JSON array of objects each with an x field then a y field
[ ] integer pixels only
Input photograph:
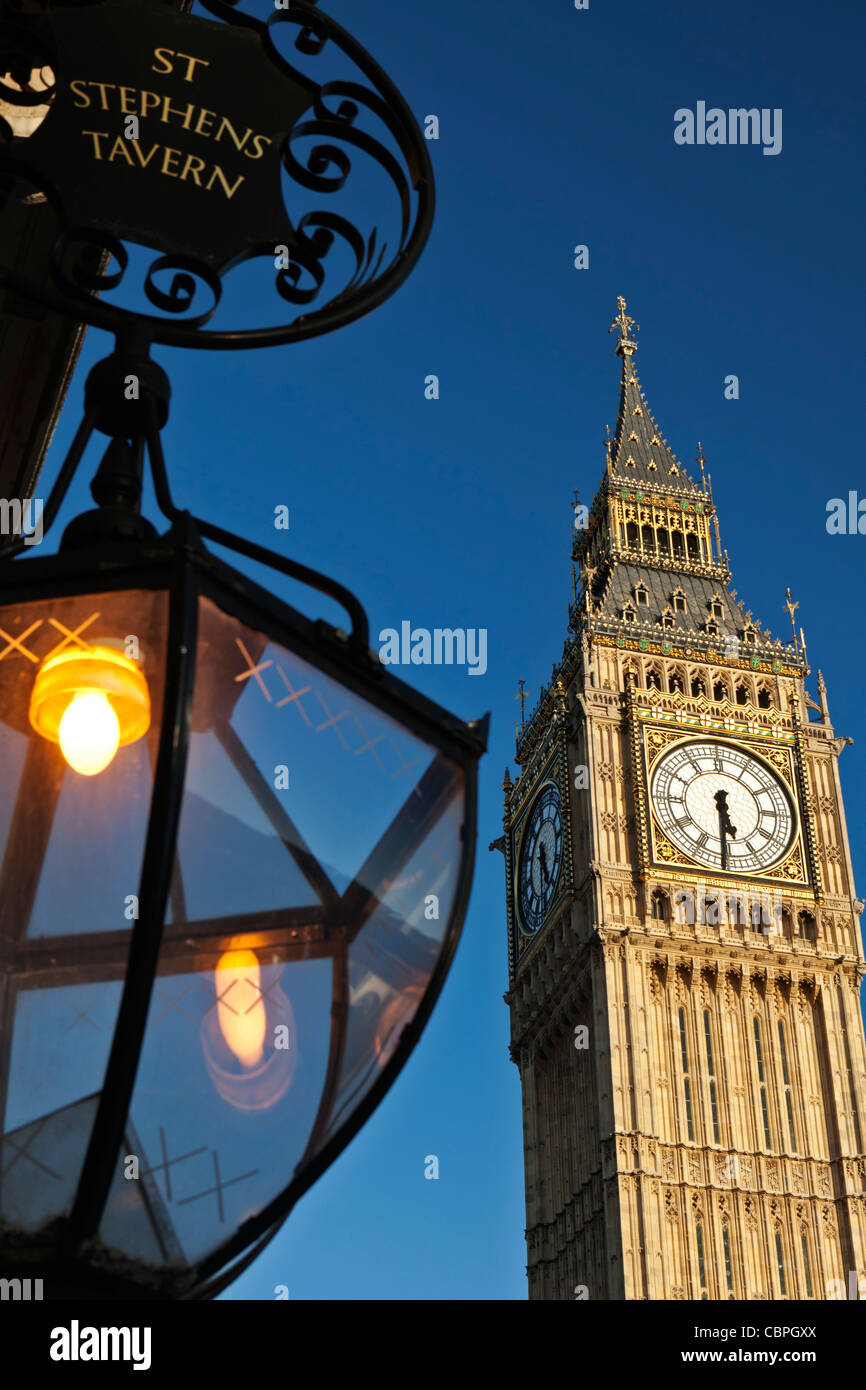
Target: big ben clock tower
[{"x": 683, "y": 937}]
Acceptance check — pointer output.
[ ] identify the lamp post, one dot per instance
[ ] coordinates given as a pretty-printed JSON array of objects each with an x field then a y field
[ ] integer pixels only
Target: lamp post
[{"x": 235, "y": 850}]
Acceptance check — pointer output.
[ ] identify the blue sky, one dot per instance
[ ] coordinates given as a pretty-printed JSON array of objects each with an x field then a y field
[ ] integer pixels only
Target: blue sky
[{"x": 556, "y": 129}]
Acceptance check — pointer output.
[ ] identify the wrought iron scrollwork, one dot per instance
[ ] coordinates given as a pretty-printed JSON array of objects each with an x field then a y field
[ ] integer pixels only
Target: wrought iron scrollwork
[{"x": 348, "y": 122}]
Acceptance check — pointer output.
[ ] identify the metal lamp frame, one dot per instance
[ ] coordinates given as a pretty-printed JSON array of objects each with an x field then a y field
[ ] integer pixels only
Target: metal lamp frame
[{"x": 181, "y": 564}]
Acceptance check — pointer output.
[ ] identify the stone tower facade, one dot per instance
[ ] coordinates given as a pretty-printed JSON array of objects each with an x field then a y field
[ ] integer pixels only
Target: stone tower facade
[{"x": 684, "y": 945}]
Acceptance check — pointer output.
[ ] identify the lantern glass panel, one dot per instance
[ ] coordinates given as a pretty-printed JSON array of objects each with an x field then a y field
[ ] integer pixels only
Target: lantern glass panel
[
  {"x": 316, "y": 877},
  {"x": 71, "y": 848}
]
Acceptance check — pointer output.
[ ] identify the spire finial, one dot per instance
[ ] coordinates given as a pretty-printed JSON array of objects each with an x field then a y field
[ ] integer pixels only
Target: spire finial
[
  {"x": 701, "y": 460},
  {"x": 626, "y": 345},
  {"x": 791, "y": 607},
  {"x": 521, "y": 696}
]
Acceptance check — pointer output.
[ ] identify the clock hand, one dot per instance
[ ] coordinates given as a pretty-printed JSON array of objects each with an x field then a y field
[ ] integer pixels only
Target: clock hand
[
  {"x": 542, "y": 855},
  {"x": 725, "y": 827}
]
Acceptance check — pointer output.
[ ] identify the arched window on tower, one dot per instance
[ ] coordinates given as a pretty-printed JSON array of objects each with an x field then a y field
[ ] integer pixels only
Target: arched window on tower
[
  {"x": 765, "y": 698},
  {"x": 719, "y": 690},
  {"x": 702, "y": 1266},
  {"x": 699, "y": 686},
  {"x": 726, "y": 1248},
  {"x": 649, "y": 540},
  {"x": 687, "y": 1082},
  {"x": 741, "y": 694},
  {"x": 711, "y": 1073},
  {"x": 653, "y": 679},
  {"x": 807, "y": 1265},
  {"x": 633, "y": 543},
  {"x": 660, "y": 906},
  {"x": 679, "y": 546},
  {"x": 762, "y": 1083},
  {"x": 693, "y": 547},
  {"x": 676, "y": 685},
  {"x": 786, "y": 1082},
  {"x": 780, "y": 1265},
  {"x": 807, "y": 926}
]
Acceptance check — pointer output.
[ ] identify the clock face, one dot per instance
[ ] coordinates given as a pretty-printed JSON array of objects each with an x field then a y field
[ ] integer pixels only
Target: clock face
[
  {"x": 540, "y": 858},
  {"x": 716, "y": 801}
]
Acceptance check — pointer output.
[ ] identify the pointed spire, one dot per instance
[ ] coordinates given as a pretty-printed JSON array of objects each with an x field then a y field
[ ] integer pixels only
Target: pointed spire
[{"x": 640, "y": 452}]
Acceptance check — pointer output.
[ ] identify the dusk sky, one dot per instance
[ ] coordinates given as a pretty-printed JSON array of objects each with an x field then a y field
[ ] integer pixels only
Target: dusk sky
[{"x": 556, "y": 130}]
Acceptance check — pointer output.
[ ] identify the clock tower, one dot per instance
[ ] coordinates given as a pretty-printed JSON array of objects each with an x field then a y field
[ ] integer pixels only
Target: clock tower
[{"x": 683, "y": 939}]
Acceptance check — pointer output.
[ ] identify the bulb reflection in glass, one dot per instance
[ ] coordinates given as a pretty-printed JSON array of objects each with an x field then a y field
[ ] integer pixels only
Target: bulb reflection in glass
[
  {"x": 248, "y": 1040},
  {"x": 241, "y": 1009}
]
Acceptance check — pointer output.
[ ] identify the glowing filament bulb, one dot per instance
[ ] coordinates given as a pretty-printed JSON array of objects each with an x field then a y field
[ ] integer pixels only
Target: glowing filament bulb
[
  {"x": 89, "y": 733},
  {"x": 241, "y": 1009}
]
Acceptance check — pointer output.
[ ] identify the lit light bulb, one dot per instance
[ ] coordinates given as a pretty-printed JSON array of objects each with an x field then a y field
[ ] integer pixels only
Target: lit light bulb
[
  {"x": 89, "y": 733},
  {"x": 241, "y": 1009},
  {"x": 91, "y": 702}
]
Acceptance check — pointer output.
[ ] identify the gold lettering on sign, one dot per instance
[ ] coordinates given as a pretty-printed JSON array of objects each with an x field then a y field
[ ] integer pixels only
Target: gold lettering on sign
[
  {"x": 97, "y": 135},
  {"x": 149, "y": 100},
  {"x": 119, "y": 150},
  {"x": 198, "y": 121},
  {"x": 136, "y": 145},
  {"x": 165, "y": 55},
  {"x": 167, "y": 156},
  {"x": 203, "y": 115},
  {"x": 168, "y": 111},
  {"x": 193, "y": 160},
  {"x": 218, "y": 174}
]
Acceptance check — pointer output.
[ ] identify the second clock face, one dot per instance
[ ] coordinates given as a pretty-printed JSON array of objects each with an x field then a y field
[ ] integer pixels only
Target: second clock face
[
  {"x": 540, "y": 858},
  {"x": 755, "y": 815}
]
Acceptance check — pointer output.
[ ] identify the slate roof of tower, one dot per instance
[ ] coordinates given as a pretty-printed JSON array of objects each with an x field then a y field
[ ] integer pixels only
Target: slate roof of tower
[
  {"x": 646, "y": 458},
  {"x": 617, "y": 591}
]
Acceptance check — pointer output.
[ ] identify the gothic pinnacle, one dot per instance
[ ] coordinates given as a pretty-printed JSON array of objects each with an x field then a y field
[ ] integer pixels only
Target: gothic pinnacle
[{"x": 626, "y": 345}]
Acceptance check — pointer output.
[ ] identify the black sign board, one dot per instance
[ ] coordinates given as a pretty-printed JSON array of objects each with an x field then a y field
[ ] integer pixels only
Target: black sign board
[{"x": 167, "y": 130}]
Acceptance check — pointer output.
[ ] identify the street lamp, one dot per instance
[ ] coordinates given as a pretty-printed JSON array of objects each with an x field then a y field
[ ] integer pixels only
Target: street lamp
[{"x": 235, "y": 858}]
